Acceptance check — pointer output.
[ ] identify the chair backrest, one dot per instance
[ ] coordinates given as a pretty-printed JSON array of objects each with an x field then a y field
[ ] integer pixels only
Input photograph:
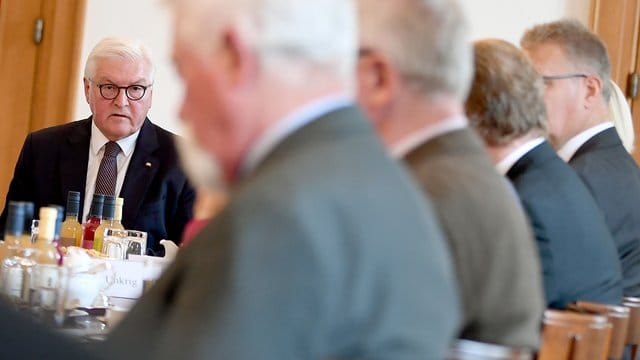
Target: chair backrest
[
  {"x": 633, "y": 333},
  {"x": 618, "y": 316},
  {"x": 473, "y": 350},
  {"x": 568, "y": 335}
]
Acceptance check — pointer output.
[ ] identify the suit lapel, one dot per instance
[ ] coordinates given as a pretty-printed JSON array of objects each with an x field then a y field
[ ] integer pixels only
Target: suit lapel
[
  {"x": 605, "y": 139},
  {"x": 74, "y": 159},
  {"x": 142, "y": 169}
]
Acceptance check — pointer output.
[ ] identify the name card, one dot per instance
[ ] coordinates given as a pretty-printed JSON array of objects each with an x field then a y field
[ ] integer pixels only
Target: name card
[{"x": 125, "y": 279}]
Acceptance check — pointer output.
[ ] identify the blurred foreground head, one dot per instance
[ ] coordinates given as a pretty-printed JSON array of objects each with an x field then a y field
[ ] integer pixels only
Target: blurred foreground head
[
  {"x": 411, "y": 51},
  {"x": 506, "y": 99},
  {"x": 246, "y": 64}
]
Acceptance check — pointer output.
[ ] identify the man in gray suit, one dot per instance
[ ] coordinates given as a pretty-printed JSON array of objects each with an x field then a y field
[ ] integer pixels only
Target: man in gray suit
[
  {"x": 325, "y": 249},
  {"x": 415, "y": 70}
]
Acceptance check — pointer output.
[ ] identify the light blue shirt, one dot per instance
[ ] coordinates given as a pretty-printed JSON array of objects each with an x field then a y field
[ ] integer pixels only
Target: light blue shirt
[{"x": 295, "y": 120}]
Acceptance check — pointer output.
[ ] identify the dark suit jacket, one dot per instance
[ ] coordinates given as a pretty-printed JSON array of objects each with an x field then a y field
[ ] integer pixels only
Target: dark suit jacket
[
  {"x": 493, "y": 248},
  {"x": 157, "y": 198},
  {"x": 613, "y": 178},
  {"x": 579, "y": 259},
  {"x": 326, "y": 250}
]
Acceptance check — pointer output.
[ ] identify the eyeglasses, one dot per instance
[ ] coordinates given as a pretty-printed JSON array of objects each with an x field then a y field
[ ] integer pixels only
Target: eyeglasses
[
  {"x": 133, "y": 92},
  {"x": 547, "y": 79}
]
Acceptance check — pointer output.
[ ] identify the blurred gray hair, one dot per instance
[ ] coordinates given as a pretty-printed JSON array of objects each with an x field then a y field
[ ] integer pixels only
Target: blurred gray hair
[
  {"x": 427, "y": 40},
  {"x": 119, "y": 48},
  {"x": 285, "y": 34},
  {"x": 507, "y": 97},
  {"x": 581, "y": 46}
]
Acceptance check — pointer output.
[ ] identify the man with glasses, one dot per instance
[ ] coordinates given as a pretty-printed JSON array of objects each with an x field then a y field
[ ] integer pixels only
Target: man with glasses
[
  {"x": 117, "y": 151},
  {"x": 575, "y": 68}
]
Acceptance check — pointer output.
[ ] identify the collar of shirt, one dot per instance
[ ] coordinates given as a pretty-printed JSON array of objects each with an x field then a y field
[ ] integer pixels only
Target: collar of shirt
[
  {"x": 98, "y": 140},
  {"x": 505, "y": 164},
  {"x": 567, "y": 150},
  {"x": 289, "y": 124},
  {"x": 415, "y": 139}
]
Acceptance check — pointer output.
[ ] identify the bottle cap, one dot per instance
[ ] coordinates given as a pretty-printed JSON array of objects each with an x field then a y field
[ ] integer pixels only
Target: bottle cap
[
  {"x": 96, "y": 205},
  {"x": 15, "y": 219},
  {"x": 47, "y": 225},
  {"x": 73, "y": 203}
]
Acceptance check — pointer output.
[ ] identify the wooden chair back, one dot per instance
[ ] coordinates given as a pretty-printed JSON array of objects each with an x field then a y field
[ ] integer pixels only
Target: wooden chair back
[
  {"x": 567, "y": 335},
  {"x": 633, "y": 333},
  {"x": 618, "y": 316}
]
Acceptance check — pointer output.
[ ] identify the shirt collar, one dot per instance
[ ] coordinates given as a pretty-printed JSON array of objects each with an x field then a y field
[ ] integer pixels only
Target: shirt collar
[
  {"x": 289, "y": 124},
  {"x": 567, "y": 150},
  {"x": 98, "y": 140},
  {"x": 507, "y": 163},
  {"x": 415, "y": 139}
]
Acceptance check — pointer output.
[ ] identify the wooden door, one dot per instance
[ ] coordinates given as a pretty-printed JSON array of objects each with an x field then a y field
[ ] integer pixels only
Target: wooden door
[
  {"x": 617, "y": 22},
  {"x": 40, "y": 44}
]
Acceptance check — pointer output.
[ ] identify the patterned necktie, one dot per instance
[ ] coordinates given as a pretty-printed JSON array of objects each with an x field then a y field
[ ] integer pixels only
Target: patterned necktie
[{"x": 108, "y": 171}]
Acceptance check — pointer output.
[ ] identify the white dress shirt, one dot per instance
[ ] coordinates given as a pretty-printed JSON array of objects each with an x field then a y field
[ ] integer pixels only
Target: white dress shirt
[
  {"x": 289, "y": 124},
  {"x": 96, "y": 151},
  {"x": 412, "y": 141},
  {"x": 567, "y": 150},
  {"x": 508, "y": 161}
]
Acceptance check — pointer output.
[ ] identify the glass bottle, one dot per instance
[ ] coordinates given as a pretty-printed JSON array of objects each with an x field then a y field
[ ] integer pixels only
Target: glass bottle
[
  {"x": 93, "y": 221},
  {"x": 117, "y": 216},
  {"x": 17, "y": 266},
  {"x": 71, "y": 230},
  {"x": 46, "y": 273},
  {"x": 13, "y": 229},
  {"x": 27, "y": 234},
  {"x": 58, "y": 226},
  {"x": 108, "y": 212}
]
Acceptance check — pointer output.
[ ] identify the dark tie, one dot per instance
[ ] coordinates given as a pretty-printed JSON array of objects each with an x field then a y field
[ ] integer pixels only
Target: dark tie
[{"x": 108, "y": 171}]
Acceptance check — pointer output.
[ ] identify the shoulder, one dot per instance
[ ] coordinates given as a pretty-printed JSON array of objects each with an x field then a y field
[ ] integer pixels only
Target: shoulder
[{"x": 56, "y": 133}]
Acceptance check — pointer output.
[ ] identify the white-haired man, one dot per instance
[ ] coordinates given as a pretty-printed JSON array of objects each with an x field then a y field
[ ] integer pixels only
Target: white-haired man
[
  {"x": 116, "y": 151},
  {"x": 325, "y": 249},
  {"x": 415, "y": 70}
]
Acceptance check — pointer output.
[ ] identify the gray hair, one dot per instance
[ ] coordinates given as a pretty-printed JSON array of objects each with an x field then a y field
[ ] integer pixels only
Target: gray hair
[
  {"x": 581, "y": 46},
  {"x": 119, "y": 48},
  {"x": 285, "y": 34},
  {"x": 427, "y": 40},
  {"x": 506, "y": 100}
]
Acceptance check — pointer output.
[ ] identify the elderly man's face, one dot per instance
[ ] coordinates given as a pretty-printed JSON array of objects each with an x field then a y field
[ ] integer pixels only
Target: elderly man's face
[
  {"x": 563, "y": 97},
  {"x": 205, "y": 107},
  {"x": 119, "y": 117}
]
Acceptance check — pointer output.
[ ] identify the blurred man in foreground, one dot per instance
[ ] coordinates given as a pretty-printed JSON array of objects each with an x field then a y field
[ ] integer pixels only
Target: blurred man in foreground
[
  {"x": 415, "y": 70},
  {"x": 325, "y": 249}
]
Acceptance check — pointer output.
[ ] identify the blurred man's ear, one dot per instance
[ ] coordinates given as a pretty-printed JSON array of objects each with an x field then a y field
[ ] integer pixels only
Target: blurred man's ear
[
  {"x": 240, "y": 61},
  {"x": 377, "y": 82}
]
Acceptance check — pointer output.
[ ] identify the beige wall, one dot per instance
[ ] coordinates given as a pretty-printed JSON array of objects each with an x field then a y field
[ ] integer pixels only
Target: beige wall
[{"x": 149, "y": 21}]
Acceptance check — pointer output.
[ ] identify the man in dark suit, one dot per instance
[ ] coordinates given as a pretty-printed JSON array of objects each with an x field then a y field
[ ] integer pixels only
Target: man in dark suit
[
  {"x": 575, "y": 65},
  {"x": 325, "y": 249},
  {"x": 579, "y": 260},
  {"x": 118, "y": 87},
  {"x": 421, "y": 119}
]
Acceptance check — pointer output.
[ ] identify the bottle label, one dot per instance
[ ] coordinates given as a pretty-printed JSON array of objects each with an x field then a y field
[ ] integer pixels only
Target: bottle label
[
  {"x": 46, "y": 284},
  {"x": 13, "y": 283}
]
